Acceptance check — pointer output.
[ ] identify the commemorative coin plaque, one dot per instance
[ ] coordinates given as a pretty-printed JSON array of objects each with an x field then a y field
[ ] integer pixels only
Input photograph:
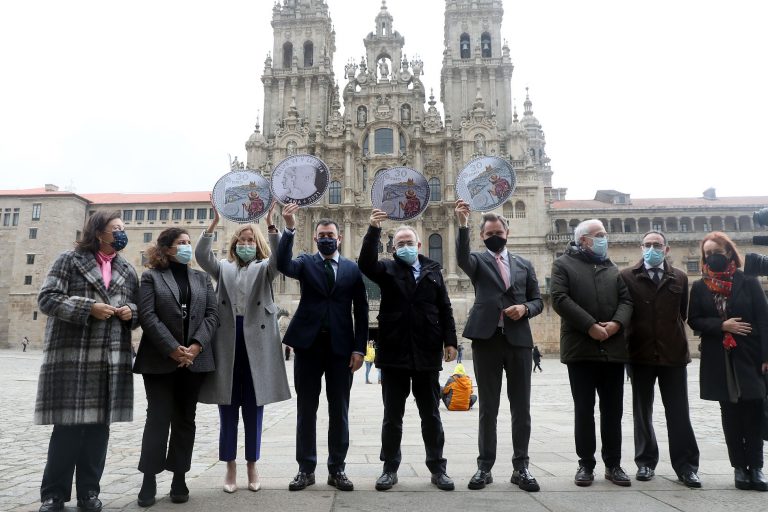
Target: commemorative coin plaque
[
  {"x": 242, "y": 196},
  {"x": 300, "y": 179},
  {"x": 402, "y": 192},
  {"x": 486, "y": 183}
]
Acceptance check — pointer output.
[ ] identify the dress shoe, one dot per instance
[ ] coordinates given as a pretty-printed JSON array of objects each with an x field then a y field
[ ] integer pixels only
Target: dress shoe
[
  {"x": 690, "y": 479},
  {"x": 386, "y": 481},
  {"x": 759, "y": 483},
  {"x": 148, "y": 491},
  {"x": 301, "y": 481},
  {"x": 584, "y": 477},
  {"x": 229, "y": 488},
  {"x": 91, "y": 502},
  {"x": 442, "y": 481},
  {"x": 52, "y": 505},
  {"x": 617, "y": 476},
  {"x": 340, "y": 481},
  {"x": 179, "y": 492},
  {"x": 230, "y": 479},
  {"x": 524, "y": 479},
  {"x": 480, "y": 479},
  {"x": 645, "y": 473},
  {"x": 742, "y": 479}
]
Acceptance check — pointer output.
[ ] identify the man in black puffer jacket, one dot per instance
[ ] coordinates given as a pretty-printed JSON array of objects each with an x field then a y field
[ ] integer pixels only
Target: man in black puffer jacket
[
  {"x": 416, "y": 331},
  {"x": 595, "y": 306}
]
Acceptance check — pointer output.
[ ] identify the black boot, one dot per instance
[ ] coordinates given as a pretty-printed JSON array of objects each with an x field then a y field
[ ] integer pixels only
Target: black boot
[
  {"x": 148, "y": 491},
  {"x": 759, "y": 482},
  {"x": 179, "y": 490}
]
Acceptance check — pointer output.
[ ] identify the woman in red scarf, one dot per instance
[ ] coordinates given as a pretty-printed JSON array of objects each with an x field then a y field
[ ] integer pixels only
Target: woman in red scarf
[{"x": 729, "y": 311}]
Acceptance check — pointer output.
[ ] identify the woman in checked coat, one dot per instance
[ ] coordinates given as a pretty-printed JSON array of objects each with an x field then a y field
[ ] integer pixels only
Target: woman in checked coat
[
  {"x": 250, "y": 371},
  {"x": 85, "y": 383}
]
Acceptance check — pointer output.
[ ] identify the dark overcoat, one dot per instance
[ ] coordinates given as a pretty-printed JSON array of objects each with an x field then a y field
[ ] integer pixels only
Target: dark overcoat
[
  {"x": 748, "y": 302},
  {"x": 85, "y": 376},
  {"x": 415, "y": 316}
]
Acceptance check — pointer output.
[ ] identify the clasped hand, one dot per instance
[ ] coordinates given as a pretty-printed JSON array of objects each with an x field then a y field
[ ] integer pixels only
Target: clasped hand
[
  {"x": 185, "y": 356},
  {"x": 601, "y": 331},
  {"x": 102, "y": 311}
]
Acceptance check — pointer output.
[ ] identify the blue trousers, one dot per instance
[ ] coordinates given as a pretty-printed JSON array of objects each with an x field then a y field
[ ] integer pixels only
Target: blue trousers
[{"x": 243, "y": 399}]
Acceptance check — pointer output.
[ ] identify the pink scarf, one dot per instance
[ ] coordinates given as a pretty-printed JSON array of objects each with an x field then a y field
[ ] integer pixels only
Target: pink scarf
[{"x": 105, "y": 263}]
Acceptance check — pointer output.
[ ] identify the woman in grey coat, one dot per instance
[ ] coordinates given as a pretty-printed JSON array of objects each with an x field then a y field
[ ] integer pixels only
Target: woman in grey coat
[
  {"x": 250, "y": 371},
  {"x": 90, "y": 297}
]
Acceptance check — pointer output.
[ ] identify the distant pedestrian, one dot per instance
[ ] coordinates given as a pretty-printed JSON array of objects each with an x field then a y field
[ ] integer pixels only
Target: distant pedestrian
[
  {"x": 370, "y": 357},
  {"x": 460, "y": 354},
  {"x": 287, "y": 353},
  {"x": 457, "y": 392},
  {"x": 24, "y": 344},
  {"x": 536, "y": 359}
]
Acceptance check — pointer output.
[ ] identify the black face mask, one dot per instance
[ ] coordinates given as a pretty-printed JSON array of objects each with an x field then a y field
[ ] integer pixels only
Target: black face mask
[
  {"x": 327, "y": 246},
  {"x": 119, "y": 240},
  {"x": 717, "y": 262},
  {"x": 495, "y": 243}
]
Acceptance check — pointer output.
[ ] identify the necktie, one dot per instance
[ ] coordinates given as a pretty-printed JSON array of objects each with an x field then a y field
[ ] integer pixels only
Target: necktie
[
  {"x": 329, "y": 275},
  {"x": 656, "y": 275},
  {"x": 502, "y": 270}
]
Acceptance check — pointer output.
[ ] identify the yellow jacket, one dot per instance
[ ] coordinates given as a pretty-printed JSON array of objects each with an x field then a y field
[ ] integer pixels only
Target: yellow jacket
[{"x": 370, "y": 354}]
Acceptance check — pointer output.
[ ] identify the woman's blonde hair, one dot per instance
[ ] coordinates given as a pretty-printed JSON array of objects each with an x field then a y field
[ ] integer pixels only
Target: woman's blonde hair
[{"x": 262, "y": 246}]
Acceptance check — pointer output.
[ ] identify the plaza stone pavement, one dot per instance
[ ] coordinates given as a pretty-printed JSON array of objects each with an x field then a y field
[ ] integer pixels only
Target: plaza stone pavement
[{"x": 553, "y": 461}]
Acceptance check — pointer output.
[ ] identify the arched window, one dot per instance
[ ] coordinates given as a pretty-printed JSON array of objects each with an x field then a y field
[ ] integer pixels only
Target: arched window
[
  {"x": 382, "y": 141},
  {"x": 287, "y": 55},
  {"x": 436, "y": 248},
  {"x": 519, "y": 210},
  {"x": 435, "y": 192},
  {"x": 309, "y": 57},
  {"x": 334, "y": 192},
  {"x": 464, "y": 45},
  {"x": 508, "y": 211},
  {"x": 485, "y": 44}
]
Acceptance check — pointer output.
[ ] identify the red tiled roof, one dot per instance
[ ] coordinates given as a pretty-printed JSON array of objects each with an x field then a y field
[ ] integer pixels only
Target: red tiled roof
[
  {"x": 36, "y": 192},
  {"x": 646, "y": 203},
  {"x": 169, "y": 197}
]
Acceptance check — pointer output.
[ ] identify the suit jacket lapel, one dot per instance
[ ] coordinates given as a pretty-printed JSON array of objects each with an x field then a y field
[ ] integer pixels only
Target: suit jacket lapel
[
  {"x": 90, "y": 269},
  {"x": 171, "y": 282}
]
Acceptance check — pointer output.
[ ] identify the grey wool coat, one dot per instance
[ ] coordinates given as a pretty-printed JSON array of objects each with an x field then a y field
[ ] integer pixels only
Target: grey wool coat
[
  {"x": 262, "y": 335},
  {"x": 86, "y": 374}
]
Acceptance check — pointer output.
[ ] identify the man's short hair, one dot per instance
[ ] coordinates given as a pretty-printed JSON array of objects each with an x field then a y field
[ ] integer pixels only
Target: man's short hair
[
  {"x": 583, "y": 228},
  {"x": 492, "y": 217},
  {"x": 327, "y": 222},
  {"x": 405, "y": 227},
  {"x": 654, "y": 232}
]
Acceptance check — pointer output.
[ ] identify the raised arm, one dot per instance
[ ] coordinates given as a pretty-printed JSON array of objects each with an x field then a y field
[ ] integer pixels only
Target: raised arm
[
  {"x": 285, "y": 264},
  {"x": 274, "y": 241},
  {"x": 204, "y": 250},
  {"x": 466, "y": 262},
  {"x": 369, "y": 251}
]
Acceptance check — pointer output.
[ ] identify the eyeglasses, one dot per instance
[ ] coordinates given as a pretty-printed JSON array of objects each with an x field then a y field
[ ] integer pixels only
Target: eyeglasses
[{"x": 655, "y": 245}]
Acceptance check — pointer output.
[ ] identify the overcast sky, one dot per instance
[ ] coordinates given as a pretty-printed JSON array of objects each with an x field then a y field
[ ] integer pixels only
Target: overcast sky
[{"x": 660, "y": 98}]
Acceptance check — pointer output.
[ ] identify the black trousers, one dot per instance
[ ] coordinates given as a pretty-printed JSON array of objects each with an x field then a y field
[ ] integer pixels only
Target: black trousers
[
  {"x": 79, "y": 450},
  {"x": 742, "y": 426},
  {"x": 171, "y": 404},
  {"x": 396, "y": 385},
  {"x": 673, "y": 385},
  {"x": 309, "y": 367},
  {"x": 493, "y": 357},
  {"x": 607, "y": 380}
]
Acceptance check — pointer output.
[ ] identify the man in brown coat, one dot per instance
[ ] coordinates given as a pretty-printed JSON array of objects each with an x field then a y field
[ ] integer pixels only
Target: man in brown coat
[{"x": 658, "y": 348}]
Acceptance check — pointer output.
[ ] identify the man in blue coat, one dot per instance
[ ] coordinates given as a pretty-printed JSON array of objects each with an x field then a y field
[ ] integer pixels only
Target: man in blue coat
[{"x": 325, "y": 341}]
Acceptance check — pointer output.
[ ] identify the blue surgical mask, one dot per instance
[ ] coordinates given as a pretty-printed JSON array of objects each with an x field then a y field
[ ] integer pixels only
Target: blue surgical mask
[
  {"x": 327, "y": 246},
  {"x": 408, "y": 253},
  {"x": 653, "y": 257},
  {"x": 246, "y": 252},
  {"x": 119, "y": 240},
  {"x": 600, "y": 246},
  {"x": 183, "y": 253}
]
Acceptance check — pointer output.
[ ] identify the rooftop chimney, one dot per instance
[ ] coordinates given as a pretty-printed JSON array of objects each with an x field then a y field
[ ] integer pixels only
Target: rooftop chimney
[
  {"x": 710, "y": 194},
  {"x": 49, "y": 187}
]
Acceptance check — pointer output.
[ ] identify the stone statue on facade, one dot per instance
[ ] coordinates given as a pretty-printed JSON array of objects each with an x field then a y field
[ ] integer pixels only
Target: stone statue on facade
[
  {"x": 383, "y": 69},
  {"x": 362, "y": 116}
]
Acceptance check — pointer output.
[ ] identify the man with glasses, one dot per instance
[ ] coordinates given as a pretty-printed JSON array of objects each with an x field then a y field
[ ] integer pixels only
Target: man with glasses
[
  {"x": 658, "y": 349},
  {"x": 416, "y": 332},
  {"x": 594, "y": 307}
]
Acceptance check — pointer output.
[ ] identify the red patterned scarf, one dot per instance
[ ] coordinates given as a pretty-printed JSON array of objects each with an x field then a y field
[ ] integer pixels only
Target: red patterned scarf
[{"x": 720, "y": 284}]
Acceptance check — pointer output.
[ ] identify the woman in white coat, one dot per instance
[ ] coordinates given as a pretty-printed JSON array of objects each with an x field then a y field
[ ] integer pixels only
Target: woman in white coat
[{"x": 250, "y": 371}]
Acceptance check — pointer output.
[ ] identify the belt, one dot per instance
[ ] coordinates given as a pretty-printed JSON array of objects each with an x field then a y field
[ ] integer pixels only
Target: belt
[{"x": 499, "y": 331}]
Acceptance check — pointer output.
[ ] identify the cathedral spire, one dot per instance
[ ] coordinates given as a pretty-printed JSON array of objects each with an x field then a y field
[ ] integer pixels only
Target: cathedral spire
[{"x": 528, "y": 104}]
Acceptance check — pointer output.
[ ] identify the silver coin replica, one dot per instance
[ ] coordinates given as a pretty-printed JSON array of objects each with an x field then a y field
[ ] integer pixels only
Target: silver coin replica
[
  {"x": 242, "y": 196},
  {"x": 485, "y": 183},
  {"x": 300, "y": 179},
  {"x": 402, "y": 192}
]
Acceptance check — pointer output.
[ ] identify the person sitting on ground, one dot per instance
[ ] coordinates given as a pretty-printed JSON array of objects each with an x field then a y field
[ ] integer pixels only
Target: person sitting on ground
[{"x": 457, "y": 392}]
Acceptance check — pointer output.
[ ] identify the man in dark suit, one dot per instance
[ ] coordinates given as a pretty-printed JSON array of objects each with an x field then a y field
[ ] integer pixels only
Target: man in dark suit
[
  {"x": 416, "y": 329},
  {"x": 658, "y": 349},
  {"x": 325, "y": 341},
  {"x": 506, "y": 297}
]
